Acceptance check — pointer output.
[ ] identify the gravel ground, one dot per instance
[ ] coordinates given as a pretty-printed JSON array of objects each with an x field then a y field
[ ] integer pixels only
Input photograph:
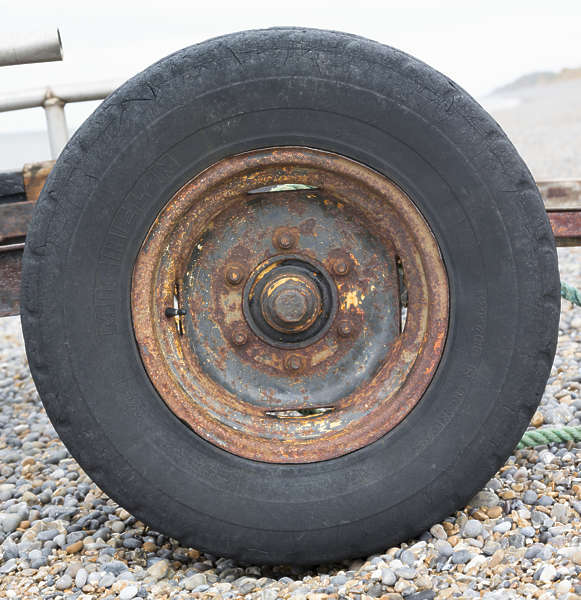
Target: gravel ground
[{"x": 61, "y": 537}]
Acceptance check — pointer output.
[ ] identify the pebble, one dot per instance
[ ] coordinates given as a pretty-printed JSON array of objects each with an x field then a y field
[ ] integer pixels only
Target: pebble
[
  {"x": 461, "y": 556},
  {"x": 158, "y": 570},
  {"x": 472, "y": 528},
  {"x": 503, "y": 527},
  {"x": 128, "y": 592},
  {"x": 64, "y": 582}
]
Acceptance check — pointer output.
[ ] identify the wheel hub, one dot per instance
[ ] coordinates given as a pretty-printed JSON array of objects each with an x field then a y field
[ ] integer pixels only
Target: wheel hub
[
  {"x": 290, "y": 325},
  {"x": 289, "y": 301}
]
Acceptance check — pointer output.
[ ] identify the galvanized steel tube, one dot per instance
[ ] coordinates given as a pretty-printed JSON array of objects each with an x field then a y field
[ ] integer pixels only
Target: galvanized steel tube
[{"x": 34, "y": 48}]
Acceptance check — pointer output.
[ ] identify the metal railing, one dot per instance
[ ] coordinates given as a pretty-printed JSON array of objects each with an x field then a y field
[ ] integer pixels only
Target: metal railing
[
  {"x": 24, "y": 49},
  {"x": 53, "y": 99},
  {"x": 43, "y": 47}
]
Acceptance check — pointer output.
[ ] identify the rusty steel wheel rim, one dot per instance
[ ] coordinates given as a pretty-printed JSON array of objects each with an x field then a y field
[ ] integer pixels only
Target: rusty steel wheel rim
[{"x": 271, "y": 320}]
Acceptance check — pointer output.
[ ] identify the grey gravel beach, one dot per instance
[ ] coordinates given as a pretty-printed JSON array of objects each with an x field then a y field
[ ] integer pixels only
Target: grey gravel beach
[{"x": 520, "y": 537}]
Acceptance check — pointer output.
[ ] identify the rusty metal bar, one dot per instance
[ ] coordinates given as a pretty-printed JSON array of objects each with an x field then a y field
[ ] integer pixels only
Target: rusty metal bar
[
  {"x": 566, "y": 227},
  {"x": 10, "y": 269},
  {"x": 34, "y": 175},
  {"x": 14, "y": 219}
]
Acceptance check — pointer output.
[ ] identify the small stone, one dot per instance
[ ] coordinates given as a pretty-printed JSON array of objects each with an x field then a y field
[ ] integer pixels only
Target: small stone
[
  {"x": 560, "y": 512},
  {"x": 47, "y": 534},
  {"x": 528, "y": 531},
  {"x": 533, "y": 551},
  {"x": 131, "y": 543},
  {"x": 423, "y": 595},
  {"x": 507, "y": 494},
  {"x": 75, "y": 547},
  {"x": 117, "y": 526},
  {"x": 529, "y": 497},
  {"x": 9, "y": 522},
  {"x": 339, "y": 580},
  {"x": 547, "y": 574},
  {"x": 474, "y": 565},
  {"x": 485, "y": 498},
  {"x": 128, "y": 592},
  {"x": 496, "y": 558},
  {"x": 517, "y": 540},
  {"x": 503, "y": 527},
  {"x": 472, "y": 529},
  {"x": 107, "y": 580},
  {"x": 9, "y": 566},
  {"x": 405, "y": 573},
  {"x": 461, "y": 557},
  {"x": 537, "y": 419},
  {"x": 444, "y": 548},
  {"x": 388, "y": 577},
  {"x": 480, "y": 515},
  {"x": 64, "y": 582},
  {"x": 81, "y": 578},
  {"x": 191, "y": 583},
  {"x": 494, "y": 512},
  {"x": 159, "y": 569},
  {"x": 439, "y": 532}
]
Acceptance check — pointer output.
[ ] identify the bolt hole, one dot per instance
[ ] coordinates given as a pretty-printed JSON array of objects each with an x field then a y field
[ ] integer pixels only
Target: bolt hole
[
  {"x": 300, "y": 413},
  {"x": 403, "y": 294},
  {"x": 282, "y": 187}
]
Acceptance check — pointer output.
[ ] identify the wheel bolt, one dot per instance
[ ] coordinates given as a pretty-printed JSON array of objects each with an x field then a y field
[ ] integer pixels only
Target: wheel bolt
[
  {"x": 234, "y": 275},
  {"x": 285, "y": 240},
  {"x": 293, "y": 363},
  {"x": 341, "y": 267},
  {"x": 239, "y": 337},
  {"x": 344, "y": 328}
]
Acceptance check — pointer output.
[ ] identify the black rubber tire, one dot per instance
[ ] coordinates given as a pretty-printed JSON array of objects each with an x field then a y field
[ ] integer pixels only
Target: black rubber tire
[{"x": 326, "y": 90}]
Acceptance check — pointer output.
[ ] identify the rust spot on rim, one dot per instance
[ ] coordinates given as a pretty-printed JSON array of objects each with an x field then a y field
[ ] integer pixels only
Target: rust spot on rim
[{"x": 231, "y": 395}]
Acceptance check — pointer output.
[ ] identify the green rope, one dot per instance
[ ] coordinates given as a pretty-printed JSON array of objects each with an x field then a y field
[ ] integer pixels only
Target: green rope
[
  {"x": 570, "y": 293},
  {"x": 550, "y": 435}
]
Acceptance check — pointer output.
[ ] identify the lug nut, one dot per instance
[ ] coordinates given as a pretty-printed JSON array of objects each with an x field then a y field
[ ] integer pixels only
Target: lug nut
[
  {"x": 344, "y": 328},
  {"x": 341, "y": 267},
  {"x": 293, "y": 363},
  {"x": 234, "y": 275},
  {"x": 239, "y": 337},
  {"x": 285, "y": 240}
]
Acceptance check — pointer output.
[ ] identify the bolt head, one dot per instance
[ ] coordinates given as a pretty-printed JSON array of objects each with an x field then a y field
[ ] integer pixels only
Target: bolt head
[
  {"x": 234, "y": 275},
  {"x": 239, "y": 337},
  {"x": 344, "y": 328},
  {"x": 341, "y": 267},
  {"x": 293, "y": 363},
  {"x": 285, "y": 240}
]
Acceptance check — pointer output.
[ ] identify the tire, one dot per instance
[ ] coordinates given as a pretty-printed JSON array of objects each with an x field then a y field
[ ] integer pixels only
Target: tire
[{"x": 342, "y": 94}]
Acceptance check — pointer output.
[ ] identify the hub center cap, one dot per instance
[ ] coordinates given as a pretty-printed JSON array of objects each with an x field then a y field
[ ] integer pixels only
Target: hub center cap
[{"x": 290, "y": 303}]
